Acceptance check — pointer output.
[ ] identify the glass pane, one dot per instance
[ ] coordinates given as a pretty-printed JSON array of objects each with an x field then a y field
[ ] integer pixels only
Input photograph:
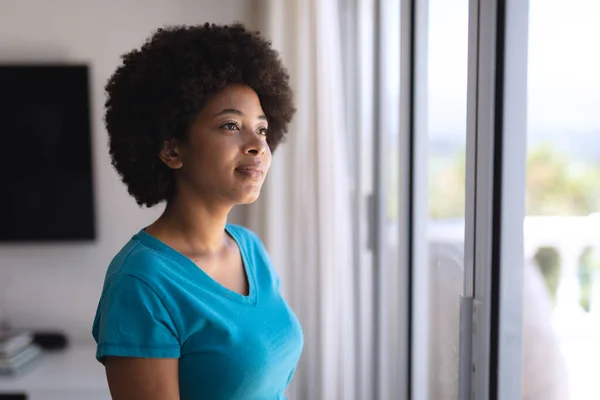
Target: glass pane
[
  {"x": 447, "y": 115},
  {"x": 561, "y": 325}
]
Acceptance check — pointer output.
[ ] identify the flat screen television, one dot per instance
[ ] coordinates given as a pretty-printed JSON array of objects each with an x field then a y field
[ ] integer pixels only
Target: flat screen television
[{"x": 46, "y": 188}]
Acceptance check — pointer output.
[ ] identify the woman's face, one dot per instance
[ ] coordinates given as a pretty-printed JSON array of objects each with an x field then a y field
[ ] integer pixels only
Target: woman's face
[{"x": 226, "y": 157}]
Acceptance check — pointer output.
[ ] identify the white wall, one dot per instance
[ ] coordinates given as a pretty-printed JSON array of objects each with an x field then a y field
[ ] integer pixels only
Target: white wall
[{"x": 57, "y": 286}]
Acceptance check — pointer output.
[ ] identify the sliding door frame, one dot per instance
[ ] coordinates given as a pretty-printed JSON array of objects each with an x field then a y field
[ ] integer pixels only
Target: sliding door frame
[
  {"x": 490, "y": 356},
  {"x": 491, "y": 302},
  {"x": 393, "y": 133}
]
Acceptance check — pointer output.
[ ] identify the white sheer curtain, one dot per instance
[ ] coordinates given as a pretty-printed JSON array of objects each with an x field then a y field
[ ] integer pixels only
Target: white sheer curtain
[{"x": 304, "y": 214}]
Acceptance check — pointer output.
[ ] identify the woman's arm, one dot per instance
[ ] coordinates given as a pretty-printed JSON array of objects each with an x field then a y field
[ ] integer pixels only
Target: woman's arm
[{"x": 131, "y": 378}]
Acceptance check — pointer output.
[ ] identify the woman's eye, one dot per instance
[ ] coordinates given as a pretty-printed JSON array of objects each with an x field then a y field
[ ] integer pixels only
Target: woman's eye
[
  {"x": 262, "y": 131},
  {"x": 231, "y": 126}
]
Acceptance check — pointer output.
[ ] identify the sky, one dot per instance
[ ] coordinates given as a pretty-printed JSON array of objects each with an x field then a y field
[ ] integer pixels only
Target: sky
[{"x": 563, "y": 66}]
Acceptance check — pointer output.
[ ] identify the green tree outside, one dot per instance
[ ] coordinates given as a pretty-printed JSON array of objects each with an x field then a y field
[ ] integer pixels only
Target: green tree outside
[{"x": 556, "y": 186}]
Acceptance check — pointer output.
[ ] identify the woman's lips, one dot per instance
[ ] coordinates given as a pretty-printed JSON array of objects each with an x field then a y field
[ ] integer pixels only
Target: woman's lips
[{"x": 252, "y": 173}]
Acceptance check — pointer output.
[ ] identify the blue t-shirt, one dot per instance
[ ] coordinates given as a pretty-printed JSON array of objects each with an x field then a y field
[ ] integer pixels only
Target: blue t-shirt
[{"x": 158, "y": 303}]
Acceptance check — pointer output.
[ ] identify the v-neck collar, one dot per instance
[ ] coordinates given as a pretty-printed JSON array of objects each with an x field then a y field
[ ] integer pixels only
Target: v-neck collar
[{"x": 158, "y": 245}]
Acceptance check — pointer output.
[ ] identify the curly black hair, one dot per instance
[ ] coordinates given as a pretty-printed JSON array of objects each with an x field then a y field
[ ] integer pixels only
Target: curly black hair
[{"x": 158, "y": 90}]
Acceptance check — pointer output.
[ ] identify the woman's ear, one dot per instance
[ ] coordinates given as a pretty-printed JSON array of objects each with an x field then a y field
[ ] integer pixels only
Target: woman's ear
[{"x": 170, "y": 154}]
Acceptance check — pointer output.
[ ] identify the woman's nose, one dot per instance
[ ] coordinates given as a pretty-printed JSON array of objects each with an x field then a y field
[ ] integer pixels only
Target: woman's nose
[{"x": 255, "y": 145}]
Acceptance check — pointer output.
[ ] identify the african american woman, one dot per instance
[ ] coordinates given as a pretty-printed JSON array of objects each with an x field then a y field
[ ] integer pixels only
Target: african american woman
[{"x": 191, "y": 306}]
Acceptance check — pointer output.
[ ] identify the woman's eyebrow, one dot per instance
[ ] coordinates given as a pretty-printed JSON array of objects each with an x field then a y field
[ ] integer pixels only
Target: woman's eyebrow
[{"x": 236, "y": 112}]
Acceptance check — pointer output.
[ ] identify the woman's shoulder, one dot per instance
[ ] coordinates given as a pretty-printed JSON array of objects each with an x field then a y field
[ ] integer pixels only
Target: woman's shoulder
[{"x": 139, "y": 260}]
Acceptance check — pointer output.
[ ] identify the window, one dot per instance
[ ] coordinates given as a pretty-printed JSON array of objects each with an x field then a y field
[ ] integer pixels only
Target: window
[{"x": 562, "y": 246}]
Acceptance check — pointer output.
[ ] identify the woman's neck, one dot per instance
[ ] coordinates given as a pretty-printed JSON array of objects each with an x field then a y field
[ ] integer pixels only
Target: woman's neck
[{"x": 192, "y": 226}]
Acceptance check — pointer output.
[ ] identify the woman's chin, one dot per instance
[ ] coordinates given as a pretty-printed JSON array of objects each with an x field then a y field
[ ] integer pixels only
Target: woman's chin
[{"x": 249, "y": 197}]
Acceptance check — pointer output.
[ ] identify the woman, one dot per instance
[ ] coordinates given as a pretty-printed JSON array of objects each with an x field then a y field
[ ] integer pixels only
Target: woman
[{"x": 191, "y": 307}]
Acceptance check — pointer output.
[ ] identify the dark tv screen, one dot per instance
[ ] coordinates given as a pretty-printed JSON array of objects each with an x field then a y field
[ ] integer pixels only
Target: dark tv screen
[{"x": 46, "y": 165}]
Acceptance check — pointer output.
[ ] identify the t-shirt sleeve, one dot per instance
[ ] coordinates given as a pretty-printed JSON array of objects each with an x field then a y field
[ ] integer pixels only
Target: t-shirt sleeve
[{"x": 132, "y": 321}]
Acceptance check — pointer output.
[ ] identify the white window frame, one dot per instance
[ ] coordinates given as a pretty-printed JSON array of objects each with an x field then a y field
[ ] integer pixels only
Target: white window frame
[
  {"x": 392, "y": 327},
  {"x": 496, "y": 153}
]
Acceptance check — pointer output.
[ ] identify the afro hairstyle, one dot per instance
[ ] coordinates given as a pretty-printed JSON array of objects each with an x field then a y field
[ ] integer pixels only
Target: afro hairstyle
[{"x": 158, "y": 90}]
